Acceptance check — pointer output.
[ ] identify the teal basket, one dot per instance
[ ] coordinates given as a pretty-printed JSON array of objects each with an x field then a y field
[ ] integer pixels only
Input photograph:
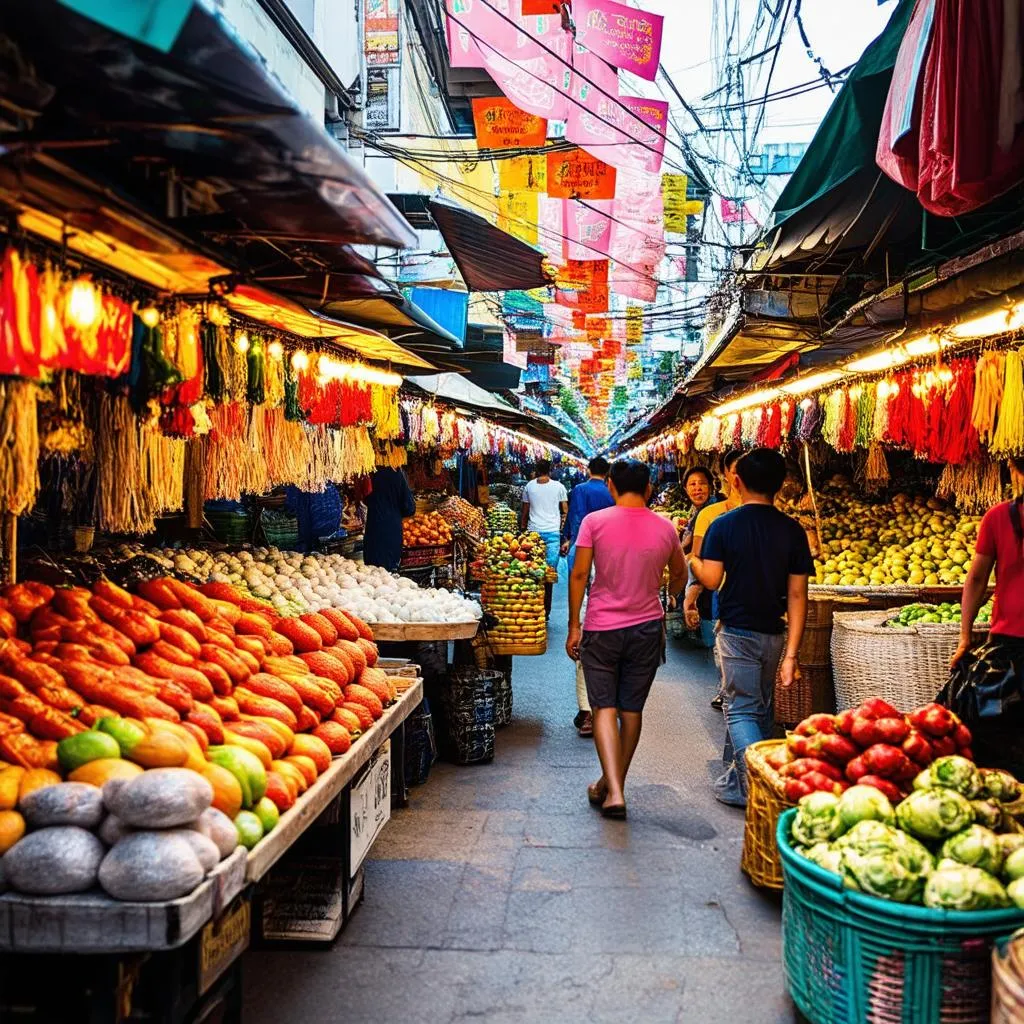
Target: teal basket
[{"x": 851, "y": 958}]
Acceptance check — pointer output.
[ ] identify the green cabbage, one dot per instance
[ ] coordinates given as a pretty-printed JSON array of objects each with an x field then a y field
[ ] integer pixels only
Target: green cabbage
[
  {"x": 1013, "y": 866},
  {"x": 934, "y": 813},
  {"x": 923, "y": 779},
  {"x": 825, "y": 856},
  {"x": 988, "y": 813},
  {"x": 1010, "y": 842},
  {"x": 977, "y": 846},
  {"x": 864, "y": 803},
  {"x": 1015, "y": 890},
  {"x": 883, "y": 874},
  {"x": 1000, "y": 785},
  {"x": 817, "y": 819},
  {"x": 955, "y": 772},
  {"x": 964, "y": 888}
]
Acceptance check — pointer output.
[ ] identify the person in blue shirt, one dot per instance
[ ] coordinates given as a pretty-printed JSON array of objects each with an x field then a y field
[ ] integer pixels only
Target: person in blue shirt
[
  {"x": 587, "y": 497},
  {"x": 387, "y": 505}
]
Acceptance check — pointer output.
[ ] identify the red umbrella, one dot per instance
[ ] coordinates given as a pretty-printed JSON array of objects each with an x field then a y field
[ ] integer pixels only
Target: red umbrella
[{"x": 951, "y": 130}]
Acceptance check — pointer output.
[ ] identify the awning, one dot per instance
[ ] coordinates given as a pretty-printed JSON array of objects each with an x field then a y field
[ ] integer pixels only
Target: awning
[
  {"x": 392, "y": 313},
  {"x": 489, "y": 259},
  {"x": 201, "y": 132},
  {"x": 452, "y": 387}
]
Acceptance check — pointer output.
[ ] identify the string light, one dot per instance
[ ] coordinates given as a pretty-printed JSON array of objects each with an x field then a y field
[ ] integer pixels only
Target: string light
[
  {"x": 150, "y": 316},
  {"x": 300, "y": 361},
  {"x": 275, "y": 350},
  {"x": 242, "y": 342},
  {"x": 855, "y": 392},
  {"x": 811, "y": 383}
]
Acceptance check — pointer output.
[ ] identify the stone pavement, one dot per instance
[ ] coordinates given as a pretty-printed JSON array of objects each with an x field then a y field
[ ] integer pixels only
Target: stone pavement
[{"x": 500, "y": 895}]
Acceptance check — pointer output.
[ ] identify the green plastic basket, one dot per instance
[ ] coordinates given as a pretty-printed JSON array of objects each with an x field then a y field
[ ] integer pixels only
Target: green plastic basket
[{"x": 851, "y": 958}]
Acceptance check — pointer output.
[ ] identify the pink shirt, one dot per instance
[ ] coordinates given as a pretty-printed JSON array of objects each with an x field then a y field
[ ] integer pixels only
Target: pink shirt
[{"x": 631, "y": 547}]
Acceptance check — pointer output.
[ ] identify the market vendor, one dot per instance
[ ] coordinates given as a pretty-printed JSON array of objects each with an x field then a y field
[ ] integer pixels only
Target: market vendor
[
  {"x": 699, "y": 484},
  {"x": 388, "y": 503}
]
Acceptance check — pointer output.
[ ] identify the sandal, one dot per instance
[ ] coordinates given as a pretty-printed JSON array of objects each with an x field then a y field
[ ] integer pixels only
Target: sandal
[
  {"x": 617, "y": 812},
  {"x": 597, "y": 794},
  {"x": 586, "y": 726}
]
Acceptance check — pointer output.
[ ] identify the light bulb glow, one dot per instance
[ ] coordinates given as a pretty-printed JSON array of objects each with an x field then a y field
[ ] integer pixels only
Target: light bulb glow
[
  {"x": 300, "y": 361},
  {"x": 83, "y": 305},
  {"x": 242, "y": 342},
  {"x": 814, "y": 382},
  {"x": 275, "y": 350},
  {"x": 150, "y": 316}
]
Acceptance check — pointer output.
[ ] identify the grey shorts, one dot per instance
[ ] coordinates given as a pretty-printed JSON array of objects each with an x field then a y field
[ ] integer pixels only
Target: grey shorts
[{"x": 619, "y": 665}]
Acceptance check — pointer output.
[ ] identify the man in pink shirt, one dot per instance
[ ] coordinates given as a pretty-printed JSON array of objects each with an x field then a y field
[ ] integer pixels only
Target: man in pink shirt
[{"x": 624, "y": 640}]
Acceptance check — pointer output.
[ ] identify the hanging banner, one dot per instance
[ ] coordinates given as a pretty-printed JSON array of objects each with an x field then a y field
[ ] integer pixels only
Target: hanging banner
[
  {"x": 577, "y": 175},
  {"x": 517, "y": 214},
  {"x": 735, "y": 211},
  {"x": 638, "y": 238},
  {"x": 629, "y": 132},
  {"x": 583, "y": 285},
  {"x": 587, "y": 228},
  {"x": 528, "y": 58},
  {"x": 597, "y": 328},
  {"x": 523, "y": 174},
  {"x": 521, "y": 312},
  {"x": 634, "y": 325},
  {"x": 500, "y": 124},
  {"x": 623, "y": 36},
  {"x": 676, "y": 206},
  {"x": 632, "y": 284},
  {"x": 380, "y": 32},
  {"x": 550, "y": 228},
  {"x": 592, "y": 77}
]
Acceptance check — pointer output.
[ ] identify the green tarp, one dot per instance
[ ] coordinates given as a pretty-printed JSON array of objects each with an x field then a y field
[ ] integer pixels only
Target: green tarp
[{"x": 846, "y": 140}]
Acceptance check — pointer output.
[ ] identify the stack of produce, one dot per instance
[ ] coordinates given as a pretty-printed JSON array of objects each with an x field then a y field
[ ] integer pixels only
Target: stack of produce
[
  {"x": 514, "y": 570},
  {"x": 460, "y": 512},
  {"x": 904, "y": 540},
  {"x": 501, "y": 519},
  {"x": 873, "y": 744},
  {"x": 429, "y": 530},
  {"x": 951, "y": 844},
  {"x": 103, "y": 684},
  {"x": 912, "y": 614},
  {"x": 296, "y": 583}
]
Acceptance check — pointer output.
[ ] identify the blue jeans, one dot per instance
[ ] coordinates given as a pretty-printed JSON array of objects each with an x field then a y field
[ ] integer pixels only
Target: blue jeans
[
  {"x": 553, "y": 548},
  {"x": 749, "y": 664}
]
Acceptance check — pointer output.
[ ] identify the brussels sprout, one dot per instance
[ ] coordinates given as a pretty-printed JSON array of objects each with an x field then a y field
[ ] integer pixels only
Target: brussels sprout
[
  {"x": 964, "y": 888},
  {"x": 977, "y": 846},
  {"x": 923, "y": 779},
  {"x": 1015, "y": 890},
  {"x": 988, "y": 813},
  {"x": 883, "y": 874},
  {"x": 825, "y": 856},
  {"x": 1000, "y": 785},
  {"x": 1013, "y": 866},
  {"x": 934, "y": 813},
  {"x": 955, "y": 772},
  {"x": 817, "y": 819},
  {"x": 864, "y": 803},
  {"x": 868, "y": 837}
]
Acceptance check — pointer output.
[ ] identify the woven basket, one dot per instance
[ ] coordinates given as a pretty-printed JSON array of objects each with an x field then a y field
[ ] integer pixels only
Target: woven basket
[
  {"x": 1008, "y": 981},
  {"x": 905, "y": 666},
  {"x": 765, "y": 802},
  {"x": 811, "y": 694},
  {"x": 851, "y": 958}
]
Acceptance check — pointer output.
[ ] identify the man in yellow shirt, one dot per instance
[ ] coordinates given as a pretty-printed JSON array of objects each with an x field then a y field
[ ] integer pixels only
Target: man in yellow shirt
[{"x": 691, "y": 612}]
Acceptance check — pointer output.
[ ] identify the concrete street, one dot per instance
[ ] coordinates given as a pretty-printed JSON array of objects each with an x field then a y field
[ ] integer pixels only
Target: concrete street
[{"x": 500, "y": 895}]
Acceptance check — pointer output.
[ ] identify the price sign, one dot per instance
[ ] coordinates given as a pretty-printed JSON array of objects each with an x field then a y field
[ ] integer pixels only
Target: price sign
[
  {"x": 370, "y": 805},
  {"x": 222, "y": 942}
]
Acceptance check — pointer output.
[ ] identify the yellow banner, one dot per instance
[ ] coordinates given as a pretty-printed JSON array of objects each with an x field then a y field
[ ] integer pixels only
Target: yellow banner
[
  {"x": 523, "y": 174},
  {"x": 517, "y": 214},
  {"x": 634, "y": 325},
  {"x": 677, "y": 206}
]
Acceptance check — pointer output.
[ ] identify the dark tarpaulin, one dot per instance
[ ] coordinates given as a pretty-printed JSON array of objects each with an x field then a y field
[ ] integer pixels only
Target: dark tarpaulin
[
  {"x": 489, "y": 259},
  {"x": 206, "y": 113}
]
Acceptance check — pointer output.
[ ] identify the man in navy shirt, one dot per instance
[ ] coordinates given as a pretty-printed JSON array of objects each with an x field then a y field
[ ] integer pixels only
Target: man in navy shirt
[
  {"x": 759, "y": 560},
  {"x": 587, "y": 497}
]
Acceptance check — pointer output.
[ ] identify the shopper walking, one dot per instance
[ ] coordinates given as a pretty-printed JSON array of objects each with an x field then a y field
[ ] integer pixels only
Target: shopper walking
[
  {"x": 760, "y": 559},
  {"x": 388, "y": 503},
  {"x": 623, "y": 644},
  {"x": 545, "y": 506},
  {"x": 589, "y": 496}
]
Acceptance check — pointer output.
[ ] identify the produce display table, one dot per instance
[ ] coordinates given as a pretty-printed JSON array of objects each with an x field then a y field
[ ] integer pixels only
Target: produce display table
[
  {"x": 396, "y": 632},
  {"x": 93, "y": 922},
  {"x": 316, "y": 799}
]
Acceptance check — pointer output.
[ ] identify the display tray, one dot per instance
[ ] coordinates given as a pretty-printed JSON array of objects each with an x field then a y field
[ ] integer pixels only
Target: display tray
[
  {"x": 343, "y": 769},
  {"x": 394, "y": 631},
  {"x": 522, "y": 650},
  {"x": 92, "y": 922}
]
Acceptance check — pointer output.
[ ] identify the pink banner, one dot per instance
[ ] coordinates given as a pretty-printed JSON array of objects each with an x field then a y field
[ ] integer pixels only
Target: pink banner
[
  {"x": 623, "y": 36},
  {"x": 531, "y": 65},
  {"x": 628, "y": 133},
  {"x": 735, "y": 211},
  {"x": 592, "y": 77},
  {"x": 587, "y": 228},
  {"x": 638, "y": 235},
  {"x": 551, "y": 228}
]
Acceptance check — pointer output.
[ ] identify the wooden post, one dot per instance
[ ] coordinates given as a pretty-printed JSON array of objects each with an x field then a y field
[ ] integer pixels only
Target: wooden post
[
  {"x": 10, "y": 544},
  {"x": 814, "y": 500}
]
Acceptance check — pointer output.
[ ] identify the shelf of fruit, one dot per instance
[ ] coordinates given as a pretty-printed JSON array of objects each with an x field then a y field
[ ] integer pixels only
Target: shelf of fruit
[
  {"x": 513, "y": 570},
  {"x": 908, "y": 542},
  {"x": 460, "y": 513},
  {"x": 145, "y": 736},
  {"x": 501, "y": 518},
  {"x": 428, "y": 530}
]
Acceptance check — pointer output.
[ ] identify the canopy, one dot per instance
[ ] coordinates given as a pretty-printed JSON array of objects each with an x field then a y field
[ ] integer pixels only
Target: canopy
[
  {"x": 489, "y": 259},
  {"x": 452, "y": 387}
]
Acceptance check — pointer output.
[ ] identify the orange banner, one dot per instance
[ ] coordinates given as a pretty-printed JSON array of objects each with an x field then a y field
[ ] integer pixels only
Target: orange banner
[
  {"x": 500, "y": 124},
  {"x": 577, "y": 175}
]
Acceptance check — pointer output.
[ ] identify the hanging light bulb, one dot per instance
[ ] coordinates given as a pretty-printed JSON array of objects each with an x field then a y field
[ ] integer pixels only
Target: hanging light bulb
[
  {"x": 855, "y": 392},
  {"x": 242, "y": 342},
  {"x": 150, "y": 316},
  {"x": 300, "y": 361},
  {"x": 275, "y": 350},
  {"x": 83, "y": 305}
]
